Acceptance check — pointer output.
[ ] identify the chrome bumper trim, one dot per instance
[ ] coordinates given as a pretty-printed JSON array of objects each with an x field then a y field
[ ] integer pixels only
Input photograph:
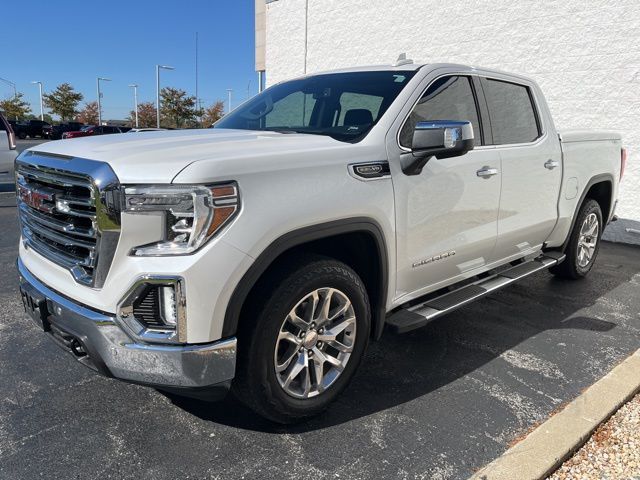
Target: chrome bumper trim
[{"x": 112, "y": 352}]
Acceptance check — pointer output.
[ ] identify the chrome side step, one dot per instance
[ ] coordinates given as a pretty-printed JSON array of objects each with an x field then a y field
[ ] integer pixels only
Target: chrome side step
[{"x": 419, "y": 315}]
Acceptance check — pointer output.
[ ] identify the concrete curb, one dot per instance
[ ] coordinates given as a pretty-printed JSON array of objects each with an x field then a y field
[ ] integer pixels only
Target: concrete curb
[{"x": 550, "y": 444}]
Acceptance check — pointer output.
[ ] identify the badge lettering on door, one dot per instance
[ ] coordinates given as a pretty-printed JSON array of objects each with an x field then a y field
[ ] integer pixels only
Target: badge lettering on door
[{"x": 435, "y": 258}]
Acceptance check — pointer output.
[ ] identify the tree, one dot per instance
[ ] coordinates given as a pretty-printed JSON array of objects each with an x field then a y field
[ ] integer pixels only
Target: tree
[
  {"x": 212, "y": 114},
  {"x": 15, "y": 107},
  {"x": 63, "y": 101},
  {"x": 146, "y": 115},
  {"x": 89, "y": 114},
  {"x": 177, "y": 109}
]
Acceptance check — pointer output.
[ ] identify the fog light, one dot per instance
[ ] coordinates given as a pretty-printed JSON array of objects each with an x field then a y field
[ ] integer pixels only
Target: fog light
[
  {"x": 168, "y": 310},
  {"x": 154, "y": 309}
]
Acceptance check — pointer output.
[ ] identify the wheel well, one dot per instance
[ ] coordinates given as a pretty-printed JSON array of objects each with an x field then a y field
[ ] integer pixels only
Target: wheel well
[
  {"x": 362, "y": 250},
  {"x": 601, "y": 193}
]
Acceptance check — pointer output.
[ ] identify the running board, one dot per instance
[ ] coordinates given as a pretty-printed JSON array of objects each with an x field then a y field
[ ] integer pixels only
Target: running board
[{"x": 419, "y": 315}]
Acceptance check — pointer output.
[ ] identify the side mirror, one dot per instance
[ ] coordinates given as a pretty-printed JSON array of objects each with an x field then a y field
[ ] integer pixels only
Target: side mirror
[{"x": 440, "y": 139}]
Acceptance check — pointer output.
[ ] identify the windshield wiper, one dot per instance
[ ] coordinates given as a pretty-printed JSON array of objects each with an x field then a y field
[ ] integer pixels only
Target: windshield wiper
[
  {"x": 293, "y": 130},
  {"x": 281, "y": 130}
]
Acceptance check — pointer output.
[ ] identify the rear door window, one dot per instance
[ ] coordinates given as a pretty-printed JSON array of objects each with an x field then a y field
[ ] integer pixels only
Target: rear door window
[{"x": 512, "y": 112}]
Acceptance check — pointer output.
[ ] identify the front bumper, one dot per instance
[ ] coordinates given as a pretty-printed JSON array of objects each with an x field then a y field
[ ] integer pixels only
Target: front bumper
[{"x": 97, "y": 341}]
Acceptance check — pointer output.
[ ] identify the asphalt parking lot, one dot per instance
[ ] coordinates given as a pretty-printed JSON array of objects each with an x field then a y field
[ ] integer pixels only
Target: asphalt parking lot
[{"x": 439, "y": 402}]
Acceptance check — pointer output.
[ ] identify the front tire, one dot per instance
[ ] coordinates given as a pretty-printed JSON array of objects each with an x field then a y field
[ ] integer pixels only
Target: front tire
[
  {"x": 301, "y": 344},
  {"x": 584, "y": 243}
]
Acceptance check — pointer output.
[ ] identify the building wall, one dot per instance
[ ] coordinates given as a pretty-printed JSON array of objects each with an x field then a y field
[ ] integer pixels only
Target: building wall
[{"x": 585, "y": 54}]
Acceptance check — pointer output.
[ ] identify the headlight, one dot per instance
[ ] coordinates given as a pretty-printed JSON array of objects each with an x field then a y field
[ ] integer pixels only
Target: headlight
[{"x": 192, "y": 213}]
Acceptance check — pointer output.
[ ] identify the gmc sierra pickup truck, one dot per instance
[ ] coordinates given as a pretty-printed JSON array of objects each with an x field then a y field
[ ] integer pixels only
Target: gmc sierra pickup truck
[{"x": 262, "y": 255}]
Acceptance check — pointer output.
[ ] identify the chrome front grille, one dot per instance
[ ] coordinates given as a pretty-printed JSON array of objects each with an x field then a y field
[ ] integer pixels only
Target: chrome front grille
[{"x": 70, "y": 213}]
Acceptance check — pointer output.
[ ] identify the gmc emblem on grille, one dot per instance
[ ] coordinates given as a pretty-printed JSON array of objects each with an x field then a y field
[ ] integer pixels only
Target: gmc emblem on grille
[{"x": 35, "y": 198}]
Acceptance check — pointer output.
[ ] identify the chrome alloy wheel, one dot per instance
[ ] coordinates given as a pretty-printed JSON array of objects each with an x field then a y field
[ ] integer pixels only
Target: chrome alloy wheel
[
  {"x": 315, "y": 343},
  {"x": 588, "y": 239}
]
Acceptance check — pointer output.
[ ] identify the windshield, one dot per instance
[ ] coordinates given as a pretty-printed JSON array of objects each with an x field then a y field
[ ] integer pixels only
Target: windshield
[{"x": 344, "y": 106}]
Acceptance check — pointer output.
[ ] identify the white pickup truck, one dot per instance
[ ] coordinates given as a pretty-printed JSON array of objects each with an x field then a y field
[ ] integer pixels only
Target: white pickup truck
[{"x": 265, "y": 253}]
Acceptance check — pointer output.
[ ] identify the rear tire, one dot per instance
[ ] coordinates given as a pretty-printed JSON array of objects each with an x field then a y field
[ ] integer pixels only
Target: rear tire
[
  {"x": 584, "y": 243},
  {"x": 291, "y": 362}
]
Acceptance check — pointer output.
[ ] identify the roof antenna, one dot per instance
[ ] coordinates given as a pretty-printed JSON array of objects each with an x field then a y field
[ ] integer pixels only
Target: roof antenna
[{"x": 402, "y": 60}]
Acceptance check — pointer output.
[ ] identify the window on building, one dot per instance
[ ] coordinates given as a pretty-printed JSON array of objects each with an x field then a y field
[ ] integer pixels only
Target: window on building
[
  {"x": 513, "y": 117},
  {"x": 448, "y": 98}
]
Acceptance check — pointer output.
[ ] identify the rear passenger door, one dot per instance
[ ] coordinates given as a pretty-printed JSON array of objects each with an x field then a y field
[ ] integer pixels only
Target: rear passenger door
[{"x": 531, "y": 167}]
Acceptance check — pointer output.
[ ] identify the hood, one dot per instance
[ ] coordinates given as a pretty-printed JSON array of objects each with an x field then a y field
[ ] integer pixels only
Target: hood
[{"x": 157, "y": 157}]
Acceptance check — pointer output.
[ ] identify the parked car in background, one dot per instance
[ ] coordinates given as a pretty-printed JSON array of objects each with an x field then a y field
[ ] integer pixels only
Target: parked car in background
[
  {"x": 76, "y": 133},
  {"x": 92, "y": 130},
  {"x": 7, "y": 151},
  {"x": 30, "y": 128},
  {"x": 54, "y": 132}
]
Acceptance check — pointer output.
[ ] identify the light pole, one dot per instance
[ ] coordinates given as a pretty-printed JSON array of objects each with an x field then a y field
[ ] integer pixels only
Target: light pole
[
  {"x": 229, "y": 91},
  {"x": 135, "y": 100},
  {"x": 158, "y": 67},
  {"x": 41, "y": 107},
  {"x": 99, "y": 98}
]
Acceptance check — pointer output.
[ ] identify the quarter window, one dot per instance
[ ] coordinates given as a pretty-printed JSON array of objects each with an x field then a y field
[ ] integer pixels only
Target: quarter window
[
  {"x": 448, "y": 98},
  {"x": 513, "y": 117}
]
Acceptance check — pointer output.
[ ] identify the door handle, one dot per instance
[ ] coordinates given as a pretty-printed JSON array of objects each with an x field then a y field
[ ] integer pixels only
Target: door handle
[
  {"x": 486, "y": 172},
  {"x": 551, "y": 164}
]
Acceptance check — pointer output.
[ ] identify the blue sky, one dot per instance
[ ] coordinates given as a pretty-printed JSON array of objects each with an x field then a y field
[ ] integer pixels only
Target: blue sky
[{"x": 75, "y": 42}]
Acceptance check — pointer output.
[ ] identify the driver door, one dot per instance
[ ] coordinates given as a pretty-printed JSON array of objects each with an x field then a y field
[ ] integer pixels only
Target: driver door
[{"x": 447, "y": 215}]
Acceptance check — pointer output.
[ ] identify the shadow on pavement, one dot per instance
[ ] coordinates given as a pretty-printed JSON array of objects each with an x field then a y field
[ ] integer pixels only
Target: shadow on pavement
[{"x": 401, "y": 368}]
